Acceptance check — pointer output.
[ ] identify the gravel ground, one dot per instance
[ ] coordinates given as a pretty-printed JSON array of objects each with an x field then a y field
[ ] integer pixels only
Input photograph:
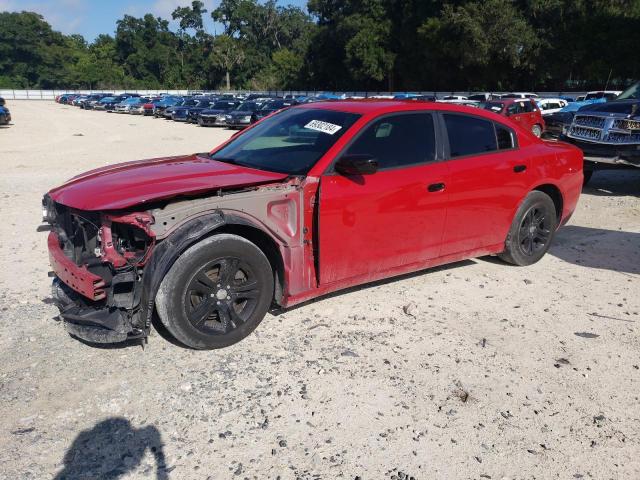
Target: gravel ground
[{"x": 477, "y": 370}]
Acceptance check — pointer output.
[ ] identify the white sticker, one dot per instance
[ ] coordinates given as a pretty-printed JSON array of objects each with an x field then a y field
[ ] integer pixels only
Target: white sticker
[{"x": 324, "y": 127}]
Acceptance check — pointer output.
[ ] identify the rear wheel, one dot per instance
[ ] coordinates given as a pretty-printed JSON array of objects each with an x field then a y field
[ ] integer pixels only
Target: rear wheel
[
  {"x": 536, "y": 130},
  {"x": 531, "y": 231},
  {"x": 216, "y": 293}
]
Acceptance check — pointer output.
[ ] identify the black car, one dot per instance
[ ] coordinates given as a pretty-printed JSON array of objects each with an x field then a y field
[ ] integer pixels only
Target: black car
[
  {"x": 608, "y": 133},
  {"x": 181, "y": 113},
  {"x": 272, "y": 106},
  {"x": 216, "y": 115},
  {"x": 244, "y": 115},
  {"x": 168, "y": 111}
]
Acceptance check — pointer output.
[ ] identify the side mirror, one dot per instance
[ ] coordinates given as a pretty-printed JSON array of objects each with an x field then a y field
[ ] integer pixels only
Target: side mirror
[{"x": 357, "y": 164}]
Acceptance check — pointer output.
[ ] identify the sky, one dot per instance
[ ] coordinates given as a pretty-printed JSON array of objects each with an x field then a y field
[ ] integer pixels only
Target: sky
[{"x": 90, "y": 18}]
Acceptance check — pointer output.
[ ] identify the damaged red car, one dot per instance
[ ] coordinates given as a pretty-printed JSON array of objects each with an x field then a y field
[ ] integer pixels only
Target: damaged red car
[{"x": 310, "y": 200}]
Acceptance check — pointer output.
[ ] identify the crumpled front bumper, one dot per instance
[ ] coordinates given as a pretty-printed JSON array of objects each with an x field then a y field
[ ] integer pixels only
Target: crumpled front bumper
[
  {"x": 91, "y": 323},
  {"x": 83, "y": 300}
]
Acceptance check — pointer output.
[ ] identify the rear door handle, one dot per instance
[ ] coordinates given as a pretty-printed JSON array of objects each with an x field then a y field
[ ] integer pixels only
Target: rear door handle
[
  {"x": 436, "y": 187},
  {"x": 519, "y": 168}
]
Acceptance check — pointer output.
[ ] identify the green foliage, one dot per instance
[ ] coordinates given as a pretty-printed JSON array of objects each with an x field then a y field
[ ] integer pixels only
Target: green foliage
[{"x": 338, "y": 45}]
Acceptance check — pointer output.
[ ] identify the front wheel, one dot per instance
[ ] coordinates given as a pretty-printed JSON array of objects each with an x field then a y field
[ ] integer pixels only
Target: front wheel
[
  {"x": 587, "y": 177},
  {"x": 216, "y": 293},
  {"x": 532, "y": 230}
]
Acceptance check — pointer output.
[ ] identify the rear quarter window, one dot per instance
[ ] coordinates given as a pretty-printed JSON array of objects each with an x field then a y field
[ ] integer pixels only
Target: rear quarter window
[{"x": 469, "y": 135}]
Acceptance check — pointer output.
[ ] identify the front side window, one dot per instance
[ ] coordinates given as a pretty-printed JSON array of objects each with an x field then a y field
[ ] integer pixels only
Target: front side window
[
  {"x": 469, "y": 135},
  {"x": 291, "y": 141},
  {"x": 399, "y": 140}
]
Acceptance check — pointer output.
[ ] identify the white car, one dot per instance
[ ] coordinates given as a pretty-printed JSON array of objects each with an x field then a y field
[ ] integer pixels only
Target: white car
[
  {"x": 455, "y": 98},
  {"x": 551, "y": 105},
  {"x": 520, "y": 95}
]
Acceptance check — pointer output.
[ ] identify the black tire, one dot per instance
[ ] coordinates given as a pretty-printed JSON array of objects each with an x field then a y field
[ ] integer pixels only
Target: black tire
[
  {"x": 532, "y": 230},
  {"x": 587, "y": 177},
  {"x": 204, "y": 314}
]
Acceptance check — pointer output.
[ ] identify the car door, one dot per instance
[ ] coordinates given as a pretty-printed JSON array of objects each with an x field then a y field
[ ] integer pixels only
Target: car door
[
  {"x": 488, "y": 177},
  {"x": 394, "y": 217}
]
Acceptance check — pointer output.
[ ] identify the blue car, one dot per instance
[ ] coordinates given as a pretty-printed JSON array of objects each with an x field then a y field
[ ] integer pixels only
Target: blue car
[{"x": 5, "y": 116}]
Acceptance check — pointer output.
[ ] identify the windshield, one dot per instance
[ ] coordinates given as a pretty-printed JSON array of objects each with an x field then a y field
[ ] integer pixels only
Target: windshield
[
  {"x": 107, "y": 99},
  {"x": 631, "y": 93},
  {"x": 275, "y": 105},
  {"x": 289, "y": 142},
  {"x": 223, "y": 105},
  {"x": 247, "y": 107},
  {"x": 493, "y": 106}
]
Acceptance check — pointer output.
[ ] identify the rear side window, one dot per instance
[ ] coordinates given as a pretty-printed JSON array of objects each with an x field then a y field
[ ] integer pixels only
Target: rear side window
[
  {"x": 504, "y": 137},
  {"x": 399, "y": 140},
  {"x": 469, "y": 135}
]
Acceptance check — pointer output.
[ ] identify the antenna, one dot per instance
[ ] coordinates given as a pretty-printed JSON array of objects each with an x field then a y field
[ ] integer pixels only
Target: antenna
[{"x": 608, "y": 78}]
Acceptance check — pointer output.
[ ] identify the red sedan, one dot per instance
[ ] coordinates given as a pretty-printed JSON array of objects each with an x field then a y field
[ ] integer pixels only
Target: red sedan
[
  {"x": 523, "y": 111},
  {"x": 312, "y": 199}
]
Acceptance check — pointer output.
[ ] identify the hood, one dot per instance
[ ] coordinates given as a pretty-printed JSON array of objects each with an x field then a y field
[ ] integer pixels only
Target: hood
[
  {"x": 621, "y": 107},
  {"x": 127, "y": 184}
]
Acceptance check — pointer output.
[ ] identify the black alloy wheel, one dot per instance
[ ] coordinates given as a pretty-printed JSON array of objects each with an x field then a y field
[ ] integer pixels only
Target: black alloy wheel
[
  {"x": 216, "y": 293},
  {"x": 222, "y": 296},
  {"x": 534, "y": 232}
]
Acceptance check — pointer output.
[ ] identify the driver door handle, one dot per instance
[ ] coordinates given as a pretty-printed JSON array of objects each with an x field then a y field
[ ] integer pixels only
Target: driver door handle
[
  {"x": 436, "y": 187},
  {"x": 519, "y": 168}
]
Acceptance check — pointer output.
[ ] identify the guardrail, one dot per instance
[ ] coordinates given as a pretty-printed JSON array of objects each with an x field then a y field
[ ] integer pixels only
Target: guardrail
[{"x": 11, "y": 94}]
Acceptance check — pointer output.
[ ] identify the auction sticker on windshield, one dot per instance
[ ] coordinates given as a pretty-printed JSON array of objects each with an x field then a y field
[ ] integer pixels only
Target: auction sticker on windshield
[{"x": 324, "y": 127}]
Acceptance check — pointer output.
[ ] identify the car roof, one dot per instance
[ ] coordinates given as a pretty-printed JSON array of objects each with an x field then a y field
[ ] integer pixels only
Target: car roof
[{"x": 377, "y": 107}]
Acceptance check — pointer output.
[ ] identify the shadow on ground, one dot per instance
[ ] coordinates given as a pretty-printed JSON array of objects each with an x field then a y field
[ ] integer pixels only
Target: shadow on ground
[
  {"x": 614, "y": 183},
  {"x": 613, "y": 250},
  {"x": 111, "y": 449}
]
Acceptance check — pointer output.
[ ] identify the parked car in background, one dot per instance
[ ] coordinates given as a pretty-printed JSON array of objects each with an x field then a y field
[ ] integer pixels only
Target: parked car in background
[
  {"x": 522, "y": 111},
  {"x": 606, "y": 94},
  {"x": 216, "y": 115},
  {"x": 90, "y": 100},
  {"x": 270, "y": 218},
  {"x": 608, "y": 133},
  {"x": 5, "y": 115},
  {"x": 519, "y": 95},
  {"x": 76, "y": 101},
  {"x": 550, "y": 105},
  {"x": 197, "y": 105},
  {"x": 166, "y": 102},
  {"x": 272, "y": 106},
  {"x": 126, "y": 105},
  {"x": 483, "y": 97},
  {"x": 244, "y": 115},
  {"x": 558, "y": 123},
  {"x": 453, "y": 98}
]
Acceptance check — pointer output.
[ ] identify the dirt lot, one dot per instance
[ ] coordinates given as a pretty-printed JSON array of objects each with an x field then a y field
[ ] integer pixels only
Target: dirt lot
[{"x": 500, "y": 372}]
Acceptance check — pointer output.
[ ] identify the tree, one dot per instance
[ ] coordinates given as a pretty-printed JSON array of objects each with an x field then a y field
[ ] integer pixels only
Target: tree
[{"x": 227, "y": 53}]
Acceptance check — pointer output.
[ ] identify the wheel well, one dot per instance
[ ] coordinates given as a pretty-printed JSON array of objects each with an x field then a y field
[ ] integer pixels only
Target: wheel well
[
  {"x": 555, "y": 195},
  {"x": 265, "y": 243}
]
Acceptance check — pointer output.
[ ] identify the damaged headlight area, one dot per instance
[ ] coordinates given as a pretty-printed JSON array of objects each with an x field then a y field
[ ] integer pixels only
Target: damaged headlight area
[{"x": 98, "y": 261}]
